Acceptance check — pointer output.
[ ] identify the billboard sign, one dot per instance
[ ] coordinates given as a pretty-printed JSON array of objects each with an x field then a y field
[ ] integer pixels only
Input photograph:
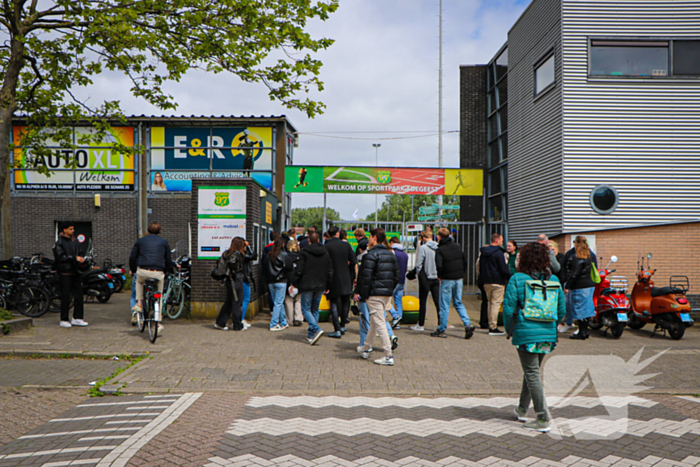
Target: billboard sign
[
  {"x": 221, "y": 216},
  {"x": 180, "y": 154},
  {"x": 381, "y": 180},
  {"x": 98, "y": 167}
]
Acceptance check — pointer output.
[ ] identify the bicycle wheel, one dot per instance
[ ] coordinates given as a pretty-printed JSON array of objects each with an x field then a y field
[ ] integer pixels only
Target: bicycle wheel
[
  {"x": 175, "y": 302},
  {"x": 140, "y": 318},
  {"x": 3, "y": 304},
  {"x": 30, "y": 305},
  {"x": 152, "y": 324},
  {"x": 42, "y": 299}
]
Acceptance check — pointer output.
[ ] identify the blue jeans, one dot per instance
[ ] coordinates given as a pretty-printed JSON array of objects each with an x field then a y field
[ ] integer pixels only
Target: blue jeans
[
  {"x": 133, "y": 291},
  {"x": 309, "y": 307},
  {"x": 397, "y": 309},
  {"x": 451, "y": 290},
  {"x": 246, "y": 299},
  {"x": 277, "y": 291},
  {"x": 364, "y": 322},
  {"x": 567, "y": 318}
]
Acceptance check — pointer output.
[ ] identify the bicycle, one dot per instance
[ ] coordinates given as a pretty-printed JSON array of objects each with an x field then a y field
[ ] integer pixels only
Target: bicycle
[
  {"x": 150, "y": 314},
  {"x": 174, "y": 295},
  {"x": 29, "y": 300}
]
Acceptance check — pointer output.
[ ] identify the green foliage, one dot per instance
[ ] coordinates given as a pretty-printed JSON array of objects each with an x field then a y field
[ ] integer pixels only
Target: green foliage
[
  {"x": 94, "y": 391},
  {"x": 304, "y": 217},
  {"x": 55, "y": 47},
  {"x": 6, "y": 315},
  {"x": 398, "y": 205}
]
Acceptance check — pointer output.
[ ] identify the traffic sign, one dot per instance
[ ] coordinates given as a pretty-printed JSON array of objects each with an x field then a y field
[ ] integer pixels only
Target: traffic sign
[
  {"x": 428, "y": 210},
  {"x": 449, "y": 215},
  {"x": 427, "y": 218},
  {"x": 445, "y": 207},
  {"x": 414, "y": 227}
]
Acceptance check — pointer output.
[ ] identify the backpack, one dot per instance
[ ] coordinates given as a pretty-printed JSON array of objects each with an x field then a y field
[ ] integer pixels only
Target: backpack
[
  {"x": 541, "y": 300},
  {"x": 220, "y": 271}
]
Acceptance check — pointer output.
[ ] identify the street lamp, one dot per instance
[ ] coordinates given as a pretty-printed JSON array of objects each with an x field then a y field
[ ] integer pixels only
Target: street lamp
[{"x": 376, "y": 147}]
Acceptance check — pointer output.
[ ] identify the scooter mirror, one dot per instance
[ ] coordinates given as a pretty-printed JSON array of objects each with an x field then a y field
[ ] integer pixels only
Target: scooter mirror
[
  {"x": 649, "y": 255},
  {"x": 613, "y": 259}
]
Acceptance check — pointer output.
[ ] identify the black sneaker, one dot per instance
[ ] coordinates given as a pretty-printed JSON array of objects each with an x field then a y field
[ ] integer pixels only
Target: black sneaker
[
  {"x": 496, "y": 332},
  {"x": 438, "y": 333},
  {"x": 469, "y": 332},
  {"x": 394, "y": 342},
  {"x": 395, "y": 323}
]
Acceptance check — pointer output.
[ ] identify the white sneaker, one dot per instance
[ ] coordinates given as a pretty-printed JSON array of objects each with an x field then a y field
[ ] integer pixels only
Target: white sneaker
[
  {"x": 136, "y": 309},
  {"x": 160, "y": 329},
  {"x": 246, "y": 324},
  {"x": 562, "y": 328},
  {"x": 388, "y": 361},
  {"x": 276, "y": 327},
  {"x": 284, "y": 327},
  {"x": 225, "y": 328},
  {"x": 134, "y": 319},
  {"x": 65, "y": 324},
  {"x": 361, "y": 351},
  {"x": 78, "y": 322},
  {"x": 417, "y": 328}
]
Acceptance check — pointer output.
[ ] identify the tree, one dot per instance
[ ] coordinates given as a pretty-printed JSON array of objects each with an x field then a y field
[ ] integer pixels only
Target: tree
[
  {"x": 398, "y": 205},
  {"x": 54, "y": 48},
  {"x": 304, "y": 217}
]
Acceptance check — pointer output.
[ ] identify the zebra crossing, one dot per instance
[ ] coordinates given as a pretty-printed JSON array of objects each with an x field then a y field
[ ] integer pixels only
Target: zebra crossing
[
  {"x": 98, "y": 432},
  {"x": 392, "y": 432}
]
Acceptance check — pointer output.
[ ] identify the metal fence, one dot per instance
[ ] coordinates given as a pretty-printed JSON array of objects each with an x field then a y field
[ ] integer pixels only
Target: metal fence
[{"x": 470, "y": 235}]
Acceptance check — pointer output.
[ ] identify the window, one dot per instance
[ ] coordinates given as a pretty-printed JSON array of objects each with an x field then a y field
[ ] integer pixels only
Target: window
[
  {"x": 686, "y": 58},
  {"x": 544, "y": 74},
  {"x": 629, "y": 58},
  {"x": 604, "y": 199}
]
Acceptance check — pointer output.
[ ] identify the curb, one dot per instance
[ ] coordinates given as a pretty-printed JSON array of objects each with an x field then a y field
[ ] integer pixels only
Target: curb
[
  {"x": 15, "y": 325},
  {"x": 68, "y": 354}
]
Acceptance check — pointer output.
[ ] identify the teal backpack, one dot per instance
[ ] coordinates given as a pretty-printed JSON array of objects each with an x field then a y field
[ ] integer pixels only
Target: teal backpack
[{"x": 541, "y": 300}]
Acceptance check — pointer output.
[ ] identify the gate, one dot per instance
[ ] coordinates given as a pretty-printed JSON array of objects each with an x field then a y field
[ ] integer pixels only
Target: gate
[{"x": 468, "y": 234}]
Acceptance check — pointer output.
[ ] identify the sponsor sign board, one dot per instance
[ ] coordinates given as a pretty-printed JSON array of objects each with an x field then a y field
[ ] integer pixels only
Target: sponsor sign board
[
  {"x": 98, "y": 167},
  {"x": 379, "y": 180},
  {"x": 221, "y": 216}
]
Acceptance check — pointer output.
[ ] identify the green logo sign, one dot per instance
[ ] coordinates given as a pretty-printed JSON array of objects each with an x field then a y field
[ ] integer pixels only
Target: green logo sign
[
  {"x": 221, "y": 199},
  {"x": 384, "y": 176}
]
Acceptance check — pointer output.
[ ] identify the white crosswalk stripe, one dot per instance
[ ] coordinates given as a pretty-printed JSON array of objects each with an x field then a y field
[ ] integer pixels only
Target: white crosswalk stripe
[
  {"x": 459, "y": 427},
  {"x": 332, "y": 461},
  {"x": 440, "y": 402}
]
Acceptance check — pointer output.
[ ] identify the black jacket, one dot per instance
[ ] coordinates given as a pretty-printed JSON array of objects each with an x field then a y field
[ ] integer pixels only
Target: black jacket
[
  {"x": 361, "y": 246},
  {"x": 150, "y": 252},
  {"x": 276, "y": 271},
  {"x": 493, "y": 266},
  {"x": 293, "y": 260},
  {"x": 65, "y": 252},
  {"x": 342, "y": 260},
  {"x": 567, "y": 266},
  {"x": 314, "y": 271},
  {"x": 249, "y": 257},
  {"x": 379, "y": 273},
  {"x": 450, "y": 260}
]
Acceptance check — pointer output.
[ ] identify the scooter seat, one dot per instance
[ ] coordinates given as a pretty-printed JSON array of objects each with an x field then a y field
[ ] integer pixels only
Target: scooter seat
[
  {"x": 659, "y": 291},
  {"x": 609, "y": 291}
]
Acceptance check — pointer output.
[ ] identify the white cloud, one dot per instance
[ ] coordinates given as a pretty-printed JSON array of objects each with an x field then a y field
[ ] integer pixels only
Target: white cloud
[{"x": 380, "y": 75}]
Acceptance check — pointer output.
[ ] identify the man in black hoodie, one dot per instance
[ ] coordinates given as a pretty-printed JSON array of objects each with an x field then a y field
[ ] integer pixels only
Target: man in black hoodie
[
  {"x": 66, "y": 252},
  {"x": 495, "y": 274},
  {"x": 313, "y": 276}
]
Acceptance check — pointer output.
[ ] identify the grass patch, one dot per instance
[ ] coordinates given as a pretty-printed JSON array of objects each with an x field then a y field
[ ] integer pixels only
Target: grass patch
[
  {"x": 95, "y": 390},
  {"x": 6, "y": 315}
]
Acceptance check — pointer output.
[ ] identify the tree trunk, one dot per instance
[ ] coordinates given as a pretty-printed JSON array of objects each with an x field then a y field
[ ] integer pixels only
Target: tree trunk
[{"x": 8, "y": 105}]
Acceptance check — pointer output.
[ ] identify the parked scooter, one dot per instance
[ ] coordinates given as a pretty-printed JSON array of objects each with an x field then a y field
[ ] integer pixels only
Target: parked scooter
[
  {"x": 666, "y": 307},
  {"x": 611, "y": 303},
  {"x": 97, "y": 284},
  {"x": 118, "y": 274}
]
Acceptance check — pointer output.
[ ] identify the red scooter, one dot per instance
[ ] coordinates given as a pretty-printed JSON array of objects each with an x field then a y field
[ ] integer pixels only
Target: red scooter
[
  {"x": 611, "y": 303},
  {"x": 666, "y": 307}
]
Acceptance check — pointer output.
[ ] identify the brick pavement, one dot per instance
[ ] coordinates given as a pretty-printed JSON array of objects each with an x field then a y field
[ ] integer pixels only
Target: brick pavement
[
  {"x": 192, "y": 356},
  {"x": 55, "y": 372}
]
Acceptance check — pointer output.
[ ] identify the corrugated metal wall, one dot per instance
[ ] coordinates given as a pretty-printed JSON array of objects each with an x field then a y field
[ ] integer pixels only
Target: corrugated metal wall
[
  {"x": 535, "y": 126},
  {"x": 641, "y": 136}
]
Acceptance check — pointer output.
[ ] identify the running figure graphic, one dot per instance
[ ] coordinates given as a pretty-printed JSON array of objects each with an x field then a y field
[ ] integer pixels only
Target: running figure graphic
[
  {"x": 460, "y": 184},
  {"x": 302, "y": 176},
  {"x": 247, "y": 148}
]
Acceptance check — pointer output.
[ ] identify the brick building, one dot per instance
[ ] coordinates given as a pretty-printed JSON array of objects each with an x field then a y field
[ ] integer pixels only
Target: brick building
[{"x": 587, "y": 124}]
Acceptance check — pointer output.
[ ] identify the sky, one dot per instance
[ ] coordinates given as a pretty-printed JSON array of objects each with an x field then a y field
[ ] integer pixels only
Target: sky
[{"x": 380, "y": 78}]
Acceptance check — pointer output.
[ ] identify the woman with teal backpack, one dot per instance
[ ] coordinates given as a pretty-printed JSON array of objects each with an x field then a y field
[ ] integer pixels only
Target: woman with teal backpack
[{"x": 533, "y": 305}]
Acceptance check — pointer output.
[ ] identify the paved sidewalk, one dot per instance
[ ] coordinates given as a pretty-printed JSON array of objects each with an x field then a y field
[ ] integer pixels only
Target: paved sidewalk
[{"x": 193, "y": 356}]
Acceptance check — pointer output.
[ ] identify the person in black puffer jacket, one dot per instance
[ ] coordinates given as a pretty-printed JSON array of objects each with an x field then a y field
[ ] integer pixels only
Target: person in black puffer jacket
[{"x": 376, "y": 281}]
